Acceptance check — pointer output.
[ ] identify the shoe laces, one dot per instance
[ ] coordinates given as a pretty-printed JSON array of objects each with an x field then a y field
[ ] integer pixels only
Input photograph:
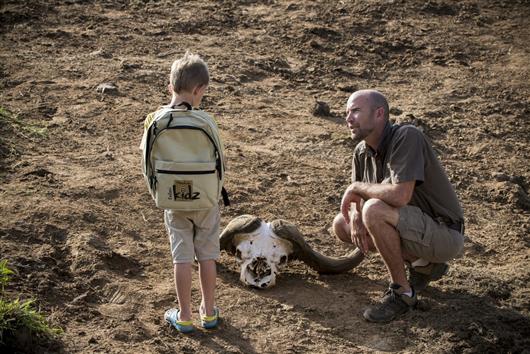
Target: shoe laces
[{"x": 392, "y": 295}]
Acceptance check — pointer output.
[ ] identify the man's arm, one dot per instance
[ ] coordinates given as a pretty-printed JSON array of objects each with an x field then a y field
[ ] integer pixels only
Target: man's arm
[{"x": 396, "y": 195}]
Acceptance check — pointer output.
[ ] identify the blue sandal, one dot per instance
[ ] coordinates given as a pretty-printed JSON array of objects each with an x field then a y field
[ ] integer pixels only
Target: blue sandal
[
  {"x": 210, "y": 322},
  {"x": 172, "y": 317}
]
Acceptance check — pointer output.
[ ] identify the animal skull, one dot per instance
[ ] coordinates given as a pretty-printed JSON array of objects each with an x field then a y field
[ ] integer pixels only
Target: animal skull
[
  {"x": 260, "y": 254},
  {"x": 262, "y": 248}
]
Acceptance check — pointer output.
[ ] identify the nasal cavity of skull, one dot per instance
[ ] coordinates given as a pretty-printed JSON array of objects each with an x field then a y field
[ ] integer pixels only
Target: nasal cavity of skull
[
  {"x": 259, "y": 268},
  {"x": 283, "y": 260}
]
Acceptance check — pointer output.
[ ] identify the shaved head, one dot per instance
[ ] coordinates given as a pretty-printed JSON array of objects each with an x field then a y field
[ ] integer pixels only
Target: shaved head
[{"x": 373, "y": 97}]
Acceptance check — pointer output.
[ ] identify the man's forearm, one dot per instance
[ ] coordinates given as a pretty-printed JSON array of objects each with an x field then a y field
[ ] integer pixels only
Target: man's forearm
[{"x": 396, "y": 195}]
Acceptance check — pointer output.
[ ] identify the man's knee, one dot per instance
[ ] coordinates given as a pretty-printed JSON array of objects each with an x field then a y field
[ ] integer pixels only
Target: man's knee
[
  {"x": 374, "y": 211},
  {"x": 340, "y": 229}
]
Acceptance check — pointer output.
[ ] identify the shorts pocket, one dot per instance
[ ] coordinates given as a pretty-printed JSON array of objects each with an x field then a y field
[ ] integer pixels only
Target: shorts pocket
[
  {"x": 186, "y": 186},
  {"x": 412, "y": 226}
]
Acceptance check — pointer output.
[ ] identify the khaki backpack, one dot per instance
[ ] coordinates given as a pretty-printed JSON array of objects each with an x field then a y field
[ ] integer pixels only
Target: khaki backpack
[{"x": 182, "y": 160}]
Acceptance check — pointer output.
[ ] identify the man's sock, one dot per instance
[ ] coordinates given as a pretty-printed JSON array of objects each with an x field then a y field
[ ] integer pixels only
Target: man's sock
[
  {"x": 409, "y": 293},
  {"x": 420, "y": 262}
]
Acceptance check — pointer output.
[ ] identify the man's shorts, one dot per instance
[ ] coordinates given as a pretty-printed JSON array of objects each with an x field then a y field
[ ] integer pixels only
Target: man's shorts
[
  {"x": 193, "y": 234},
  {"x": 426, "y": 238}
]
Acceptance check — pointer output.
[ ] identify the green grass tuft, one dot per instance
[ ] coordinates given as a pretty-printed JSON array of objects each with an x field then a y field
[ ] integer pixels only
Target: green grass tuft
[
  {"x": 21, "y": 315},
  {"x": 11, "y": 128},
  {"x": 5, "y": 273}
]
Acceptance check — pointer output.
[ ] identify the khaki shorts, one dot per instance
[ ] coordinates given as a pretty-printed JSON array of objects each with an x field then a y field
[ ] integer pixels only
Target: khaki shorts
[
  {"x": 426, "y": 238},
  {"x": 193, "y": 234}
]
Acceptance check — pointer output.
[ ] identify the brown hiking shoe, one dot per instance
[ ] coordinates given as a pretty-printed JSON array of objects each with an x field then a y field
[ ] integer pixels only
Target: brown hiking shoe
[
  {"x": 420, "y": 277},
  {"x": 393, "y": 305}
]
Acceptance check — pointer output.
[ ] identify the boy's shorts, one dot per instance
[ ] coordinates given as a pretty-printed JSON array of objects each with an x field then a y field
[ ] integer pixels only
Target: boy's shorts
[
  {"x": 426, "y": 238},
  {"x": 193, "y": 234}
]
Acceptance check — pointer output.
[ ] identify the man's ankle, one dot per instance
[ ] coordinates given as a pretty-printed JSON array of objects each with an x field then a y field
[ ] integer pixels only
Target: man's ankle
[{"x": 402, "y": 288}]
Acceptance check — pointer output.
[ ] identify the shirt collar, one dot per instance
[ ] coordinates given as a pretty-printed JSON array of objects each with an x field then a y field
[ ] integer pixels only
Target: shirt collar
[
  {"x": 383, "y": 143},
  {"x": 385, "y": 139}
]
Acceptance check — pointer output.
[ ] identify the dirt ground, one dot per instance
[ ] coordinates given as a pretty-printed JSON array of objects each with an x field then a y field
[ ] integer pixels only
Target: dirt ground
[{"x": 80, "y": 230}]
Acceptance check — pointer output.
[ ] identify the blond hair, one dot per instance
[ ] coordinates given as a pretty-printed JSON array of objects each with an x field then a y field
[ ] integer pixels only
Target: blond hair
[{"x": 188, "y": 72}]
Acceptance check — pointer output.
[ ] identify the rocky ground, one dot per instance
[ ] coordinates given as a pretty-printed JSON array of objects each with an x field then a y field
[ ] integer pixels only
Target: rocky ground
[{"x": 85, "y": 240}]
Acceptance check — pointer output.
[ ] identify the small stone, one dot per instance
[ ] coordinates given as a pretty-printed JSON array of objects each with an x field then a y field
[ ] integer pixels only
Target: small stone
[
  {"x": 101, "y": 53},
  {"x": 107, "y": 88},
  {"x": 395, "y": 111},
  {"x": 108, "y": 155},
  {"x": 500, "y": 176},
  {"x": 321, "y": 109},
  {"x": 286, "y": 307}
]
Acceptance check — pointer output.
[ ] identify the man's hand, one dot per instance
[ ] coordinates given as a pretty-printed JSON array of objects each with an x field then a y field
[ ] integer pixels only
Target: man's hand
[
  {"x": 358, "y": 232},
  {"x": 348, "y": 198}
]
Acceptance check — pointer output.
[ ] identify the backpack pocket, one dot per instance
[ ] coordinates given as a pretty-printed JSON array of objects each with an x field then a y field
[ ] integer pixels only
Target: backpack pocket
[{"x": 186, "y": 185}]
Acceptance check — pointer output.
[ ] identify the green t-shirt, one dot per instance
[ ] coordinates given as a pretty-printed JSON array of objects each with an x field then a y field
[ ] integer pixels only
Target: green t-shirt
[{"x": 404, "y": 154}]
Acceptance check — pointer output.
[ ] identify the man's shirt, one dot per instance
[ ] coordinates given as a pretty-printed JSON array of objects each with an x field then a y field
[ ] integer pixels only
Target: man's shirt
[{"x": 403, "y": 155}]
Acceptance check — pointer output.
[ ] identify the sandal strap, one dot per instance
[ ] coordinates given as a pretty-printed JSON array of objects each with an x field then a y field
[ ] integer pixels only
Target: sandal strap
[
  {"x": 215, "y": 315},
  {"x": 174, "y": 317}
]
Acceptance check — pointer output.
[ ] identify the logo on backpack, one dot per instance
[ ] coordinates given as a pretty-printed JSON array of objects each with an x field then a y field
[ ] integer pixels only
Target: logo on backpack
[{"x": 183, "y": 191}]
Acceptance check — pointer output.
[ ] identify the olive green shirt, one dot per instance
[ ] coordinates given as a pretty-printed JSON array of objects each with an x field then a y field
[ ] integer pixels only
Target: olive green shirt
[{"x": 403, "y": 155}]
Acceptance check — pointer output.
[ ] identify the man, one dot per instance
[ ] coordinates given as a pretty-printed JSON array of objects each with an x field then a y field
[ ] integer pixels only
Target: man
[{"x": 400, "y": 204}]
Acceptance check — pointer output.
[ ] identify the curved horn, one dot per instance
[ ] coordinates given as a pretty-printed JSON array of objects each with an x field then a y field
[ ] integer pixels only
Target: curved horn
[
  {"x": 242, "y": 224},
  {"x": 302, "y": 251}
]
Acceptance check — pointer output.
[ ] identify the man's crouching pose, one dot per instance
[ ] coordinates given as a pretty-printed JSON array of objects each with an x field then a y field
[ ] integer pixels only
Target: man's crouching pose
[{"x": 400, "y": 204}]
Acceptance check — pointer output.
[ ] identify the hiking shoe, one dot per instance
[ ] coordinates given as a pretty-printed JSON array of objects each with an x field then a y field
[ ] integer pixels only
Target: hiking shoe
[
  {"x": 393, "y": 305},
  {"x": 420, "y": 277}
]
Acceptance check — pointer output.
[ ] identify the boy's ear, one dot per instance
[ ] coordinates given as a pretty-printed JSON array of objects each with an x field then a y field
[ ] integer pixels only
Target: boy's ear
[
  {"x": 199, "y": 89},
  {"x": 170, "y": 88}
]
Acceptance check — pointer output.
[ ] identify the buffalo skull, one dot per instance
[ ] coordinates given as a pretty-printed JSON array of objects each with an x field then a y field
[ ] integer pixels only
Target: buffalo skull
[{"x": 261, "y": 248}]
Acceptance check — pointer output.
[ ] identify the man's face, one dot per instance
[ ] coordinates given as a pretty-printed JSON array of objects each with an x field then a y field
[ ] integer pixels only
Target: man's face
[{"x": 360, "y": 117}]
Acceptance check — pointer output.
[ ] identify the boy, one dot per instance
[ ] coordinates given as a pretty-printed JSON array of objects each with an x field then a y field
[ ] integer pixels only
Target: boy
[{"x": 191, "y": 233}]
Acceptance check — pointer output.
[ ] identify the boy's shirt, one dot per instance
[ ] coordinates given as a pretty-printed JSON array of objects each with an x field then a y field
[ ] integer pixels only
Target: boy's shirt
[{"x": 147, "y": 122}]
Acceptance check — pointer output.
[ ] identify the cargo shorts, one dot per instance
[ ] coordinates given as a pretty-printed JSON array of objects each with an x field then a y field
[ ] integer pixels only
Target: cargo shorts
[
  {"x": 426, "y": 238},
  {"x": 193, "y": 234}
]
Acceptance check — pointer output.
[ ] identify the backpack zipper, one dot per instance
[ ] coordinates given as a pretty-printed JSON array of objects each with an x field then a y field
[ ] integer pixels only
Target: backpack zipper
[{"x": 186, "y": 172}]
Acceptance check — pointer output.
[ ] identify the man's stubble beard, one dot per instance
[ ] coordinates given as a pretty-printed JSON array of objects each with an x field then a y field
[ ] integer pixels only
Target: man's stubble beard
[{"x": 360, "y": 136}]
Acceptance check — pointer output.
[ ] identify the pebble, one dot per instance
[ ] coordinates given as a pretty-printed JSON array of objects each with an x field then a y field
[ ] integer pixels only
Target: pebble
[{"x": 107, "y": 88}]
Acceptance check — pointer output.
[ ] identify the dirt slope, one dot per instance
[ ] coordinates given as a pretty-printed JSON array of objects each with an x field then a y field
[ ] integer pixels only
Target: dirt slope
[{"x": 86, "y": 241}]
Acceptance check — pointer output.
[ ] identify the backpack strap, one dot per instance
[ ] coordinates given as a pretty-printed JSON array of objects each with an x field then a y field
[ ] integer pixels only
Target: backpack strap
[
  {"x": 224, "y": 193},
  {"x": 183, "y": 103}
]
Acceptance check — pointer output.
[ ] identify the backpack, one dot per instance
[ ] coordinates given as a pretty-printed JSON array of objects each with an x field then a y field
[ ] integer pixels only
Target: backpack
[{"x": 182, "y": 160}]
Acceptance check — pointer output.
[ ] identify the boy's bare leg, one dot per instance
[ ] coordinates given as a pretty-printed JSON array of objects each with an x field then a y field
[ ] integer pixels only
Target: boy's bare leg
[
  {"x": 208, "y": 276},
  {"x": 183, "y": 285}
]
